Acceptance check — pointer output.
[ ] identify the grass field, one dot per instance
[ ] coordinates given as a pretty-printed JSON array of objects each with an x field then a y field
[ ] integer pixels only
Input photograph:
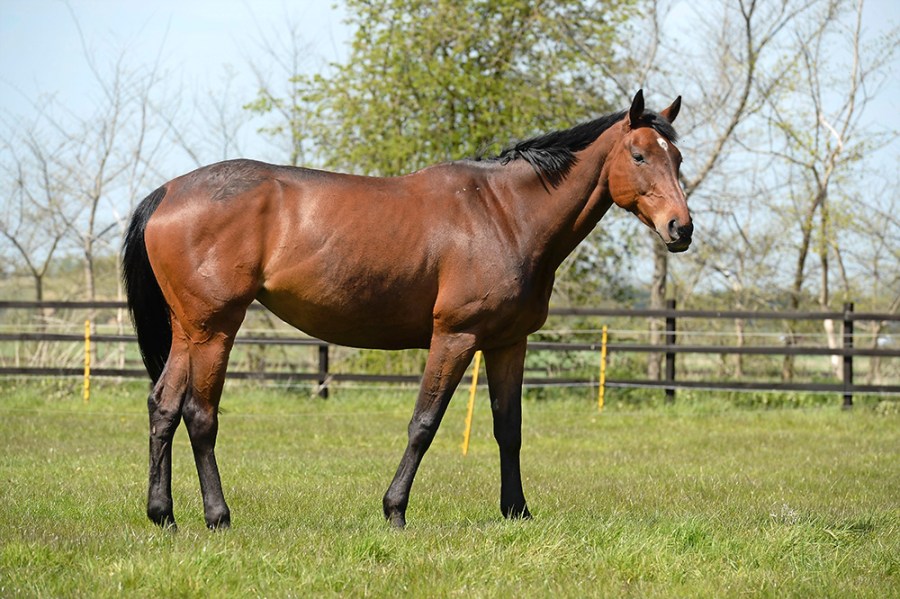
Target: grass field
[{"x": 696, "y": 500}]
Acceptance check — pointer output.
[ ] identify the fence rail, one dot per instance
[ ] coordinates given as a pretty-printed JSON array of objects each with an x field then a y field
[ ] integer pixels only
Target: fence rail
[{"x": 670, "y": 348}]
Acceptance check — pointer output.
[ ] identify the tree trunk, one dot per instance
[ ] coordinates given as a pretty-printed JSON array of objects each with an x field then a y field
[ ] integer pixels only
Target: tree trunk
[
  {"x": 825, "y": 291},
  {"x": 43, "y": 314},
  {"x": 739, "y": 358},
  {"x": 90, "y": 291},
  {"x": 657, "y": 302},
  {"x": 806, "y": 230},
  {"x": 120, "y": 315},
  {"x": 38, "y": 286}
]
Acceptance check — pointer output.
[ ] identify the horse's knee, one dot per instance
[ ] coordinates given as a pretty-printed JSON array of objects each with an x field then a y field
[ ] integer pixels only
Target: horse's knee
[
  {"x": 421, "y": 433},
  {"x": 201, "y": 420}
]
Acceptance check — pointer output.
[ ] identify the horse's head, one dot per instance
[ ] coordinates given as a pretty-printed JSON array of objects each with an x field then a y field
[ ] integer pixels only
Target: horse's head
[{"x": 643, "y": 173}]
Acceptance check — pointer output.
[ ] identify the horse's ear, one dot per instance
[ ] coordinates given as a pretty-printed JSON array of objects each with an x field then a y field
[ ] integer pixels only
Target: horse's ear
[
  {"x": 672, "y": 111},
  {"x": 637, "y": 108}
]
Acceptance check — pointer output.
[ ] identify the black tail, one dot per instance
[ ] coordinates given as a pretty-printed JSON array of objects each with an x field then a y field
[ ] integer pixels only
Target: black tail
[{"x": 149, "y": 311}]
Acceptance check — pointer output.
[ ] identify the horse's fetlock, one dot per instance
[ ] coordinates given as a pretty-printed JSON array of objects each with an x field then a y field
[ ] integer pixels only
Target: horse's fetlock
[
  {"x": 393, "y": 503},
  {"x": 218, "y": 518},
  {"x": 394, "y": 512},
  {"x": 160, "y": 512}
]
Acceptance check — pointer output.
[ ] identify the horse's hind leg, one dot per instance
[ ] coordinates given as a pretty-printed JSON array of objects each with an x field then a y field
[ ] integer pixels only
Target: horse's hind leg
[
  {"x": 504, "y": 370},
  {"x": 164, "y": 406},
  {"x": 201, "y": 417}
]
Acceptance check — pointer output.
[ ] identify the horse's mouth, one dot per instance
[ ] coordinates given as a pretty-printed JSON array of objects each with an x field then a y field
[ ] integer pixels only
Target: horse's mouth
[{"x": 678, "y": 246}]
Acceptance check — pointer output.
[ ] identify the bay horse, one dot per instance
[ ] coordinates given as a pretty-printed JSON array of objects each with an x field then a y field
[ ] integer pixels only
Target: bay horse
[{"x": 454, "y": 258}]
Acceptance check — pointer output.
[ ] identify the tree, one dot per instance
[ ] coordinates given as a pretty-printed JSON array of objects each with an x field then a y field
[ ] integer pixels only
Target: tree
[
  {"x": 109, "y": 152},
  {"x": 745, "y": 74},
  {"x": 422, "y": 85},
  {"x": 820, "y": 140},
  {"x": 33, "y": 220},
  {"x": 208, "y": 127},
  {"x": 283, "y": 96},
  {"x": 75, "y": 176},
  {"x": 875, "y": 255},
  {"x": 725, "y": 73},
  {"x": 740, "y": 59}
]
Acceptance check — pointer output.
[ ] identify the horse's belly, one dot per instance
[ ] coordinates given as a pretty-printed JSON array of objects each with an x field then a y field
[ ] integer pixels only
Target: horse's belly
[{"x": 389, "y": 321}]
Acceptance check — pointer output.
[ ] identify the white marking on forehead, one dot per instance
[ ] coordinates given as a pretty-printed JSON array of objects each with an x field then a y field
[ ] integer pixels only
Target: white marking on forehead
[{"x": 662, "y": 143}]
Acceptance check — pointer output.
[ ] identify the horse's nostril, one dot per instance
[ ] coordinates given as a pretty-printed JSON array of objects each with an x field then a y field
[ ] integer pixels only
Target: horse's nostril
[
  {"x": 673, "y": 229},
  {"x": 686, "y": 231}
]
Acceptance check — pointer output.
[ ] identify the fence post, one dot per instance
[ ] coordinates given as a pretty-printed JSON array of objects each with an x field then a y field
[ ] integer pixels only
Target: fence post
[
  {"x": 87, "y": 361},
  {"x": 601, "y": 392},
  {"x": 471, "y": 408},
  {"x": 323, "y": 370},
  {"x": 670, "y": 355},
  {"x": 848, "y": 359}
]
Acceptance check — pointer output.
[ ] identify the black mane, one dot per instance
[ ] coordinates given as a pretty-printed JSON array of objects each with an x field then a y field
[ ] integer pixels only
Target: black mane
[{"x": 552, "y": 155}]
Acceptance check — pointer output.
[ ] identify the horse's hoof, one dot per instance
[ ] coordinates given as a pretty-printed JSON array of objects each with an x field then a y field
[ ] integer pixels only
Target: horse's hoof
[
  {"x": 515, "y": 512},
  {"x": 396, "y": 519},
  {"x": 161, "y": 514},
  {"x": 219, "y": 520},
  {"x": 222, "y": 524}
]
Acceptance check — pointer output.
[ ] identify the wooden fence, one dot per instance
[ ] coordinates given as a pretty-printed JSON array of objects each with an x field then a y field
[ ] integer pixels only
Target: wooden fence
[{"x": 671, "y": 348}]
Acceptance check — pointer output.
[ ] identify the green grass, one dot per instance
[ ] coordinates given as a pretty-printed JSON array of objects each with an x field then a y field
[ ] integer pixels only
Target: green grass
[{"x": 696, "y": 500}]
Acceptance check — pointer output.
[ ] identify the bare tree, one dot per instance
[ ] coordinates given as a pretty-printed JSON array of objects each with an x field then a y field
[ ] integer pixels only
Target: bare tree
[
  {"x": 33, "y": 218},
  {"x": 209, "y": 125},
  {"x": 728, "y": 75},
  {"x": 820, "y": 140},
  {"x": 875, "y": 255},
  {"x": 74, "y": 176},
  {"x": 107, "y": 156},
  {"x": 282, "y": 93},
  {"x": 757, "y": 60}
]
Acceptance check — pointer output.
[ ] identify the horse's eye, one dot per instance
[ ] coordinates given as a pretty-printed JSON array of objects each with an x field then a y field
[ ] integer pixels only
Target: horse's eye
[{"x": 637, "y": 157}]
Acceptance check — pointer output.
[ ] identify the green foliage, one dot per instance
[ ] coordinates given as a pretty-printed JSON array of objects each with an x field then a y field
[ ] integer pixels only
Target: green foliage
[
  {"x": 674, "y": 502},
  {"x": 427, "y": 81}
]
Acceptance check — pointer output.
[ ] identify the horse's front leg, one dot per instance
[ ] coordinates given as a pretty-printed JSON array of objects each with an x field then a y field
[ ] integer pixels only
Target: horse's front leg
[
  {"x": 505, "y": 368},
  {"x": 447, "y": 361}
]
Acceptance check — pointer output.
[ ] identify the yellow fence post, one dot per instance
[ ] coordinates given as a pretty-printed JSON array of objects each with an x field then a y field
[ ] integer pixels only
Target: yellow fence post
[
  {"x": 602, "y": 379},
  {"x": 465, "y": 446},
  {"x": 87, "y": 361}
]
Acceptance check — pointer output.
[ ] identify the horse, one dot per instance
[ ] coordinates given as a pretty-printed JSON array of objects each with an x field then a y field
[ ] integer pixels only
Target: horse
[{"x": 455, "y": 258}]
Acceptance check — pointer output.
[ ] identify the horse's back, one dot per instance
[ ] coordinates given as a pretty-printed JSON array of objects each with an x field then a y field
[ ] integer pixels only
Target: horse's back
[{"x": 350, "y": 259}]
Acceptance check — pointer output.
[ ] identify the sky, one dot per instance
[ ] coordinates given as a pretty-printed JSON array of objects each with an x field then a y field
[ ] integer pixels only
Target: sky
[
  {"x": 40, "y": 49},
  {"x": 41, "y": 52}
]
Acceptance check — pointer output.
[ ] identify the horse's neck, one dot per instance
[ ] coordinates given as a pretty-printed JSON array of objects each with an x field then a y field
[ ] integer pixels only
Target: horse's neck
[{"x": 561, "y": 217}]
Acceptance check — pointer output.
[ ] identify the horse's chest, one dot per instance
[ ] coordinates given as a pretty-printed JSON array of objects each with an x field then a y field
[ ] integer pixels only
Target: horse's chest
[{"x": 507, "y": 312}]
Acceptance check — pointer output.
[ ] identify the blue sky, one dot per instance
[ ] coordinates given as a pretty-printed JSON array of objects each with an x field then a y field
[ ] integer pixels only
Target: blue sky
[{"x": 41, "y": 53}]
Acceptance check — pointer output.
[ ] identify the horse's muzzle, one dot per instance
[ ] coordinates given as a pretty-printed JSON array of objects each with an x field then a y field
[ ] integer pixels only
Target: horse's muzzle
[{"x": 679, "y": 236}]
